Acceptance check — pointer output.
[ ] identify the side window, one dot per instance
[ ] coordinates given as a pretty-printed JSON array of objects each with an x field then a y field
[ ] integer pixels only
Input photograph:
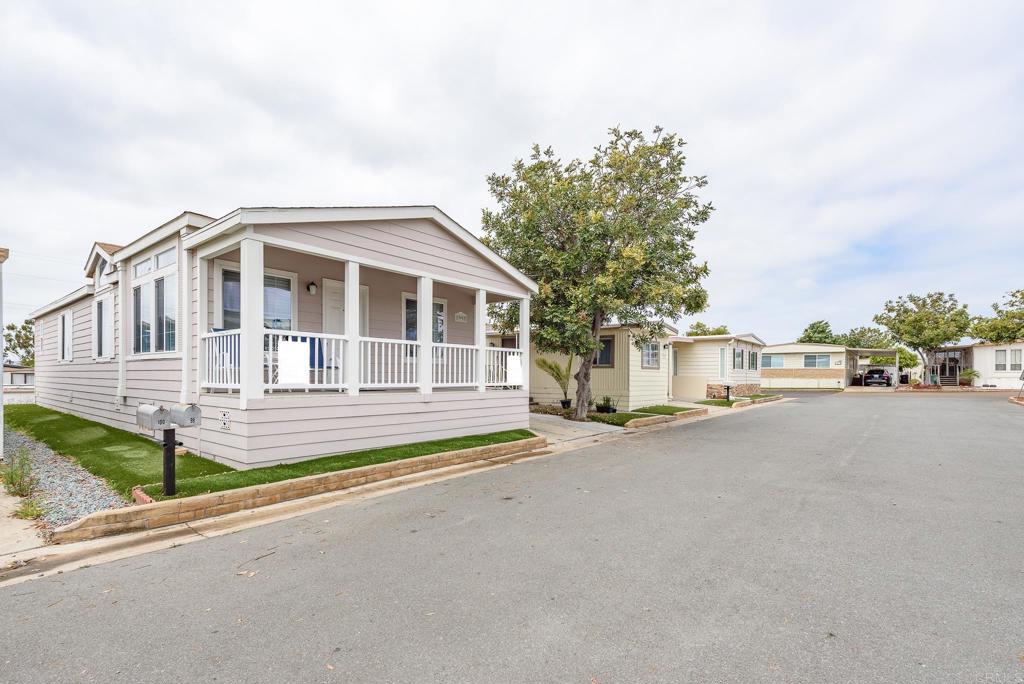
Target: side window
[
  {"x": 1000, "y": 359},
  {"x": 65, "y": 336},
  {"x": 605, "y": 356}
]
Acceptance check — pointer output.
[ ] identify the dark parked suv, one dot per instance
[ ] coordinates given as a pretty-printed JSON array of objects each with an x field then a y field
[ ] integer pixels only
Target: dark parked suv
[{"x": 877, "y": 376}]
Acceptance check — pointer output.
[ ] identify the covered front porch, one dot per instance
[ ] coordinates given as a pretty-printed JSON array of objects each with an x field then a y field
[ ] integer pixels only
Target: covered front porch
[{"x": 278, "y": 320}]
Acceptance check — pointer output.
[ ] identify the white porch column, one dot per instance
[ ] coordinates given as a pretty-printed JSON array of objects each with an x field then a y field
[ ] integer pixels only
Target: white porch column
[
  {"x": 480, "y": 339},
  {"x": 124, "y": 305},
  {"x": 524, "y": 340},
  {"x": 251, "y": 342},
  {"x": 350, "y": 357},
  {"x": 202, "y": 320},
  {"x": 424, "y": 332},
  {"x": 185, "y": 330}
]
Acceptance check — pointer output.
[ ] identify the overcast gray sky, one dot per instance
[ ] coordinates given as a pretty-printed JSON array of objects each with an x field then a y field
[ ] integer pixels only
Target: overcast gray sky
[{"x": 855, "y": 151}]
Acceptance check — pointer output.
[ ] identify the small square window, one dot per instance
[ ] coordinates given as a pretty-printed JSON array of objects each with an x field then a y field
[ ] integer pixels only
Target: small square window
[{"x": 605, "y": 356}]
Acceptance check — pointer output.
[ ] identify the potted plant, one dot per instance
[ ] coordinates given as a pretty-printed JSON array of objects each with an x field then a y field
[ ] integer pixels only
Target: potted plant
[
  {"x": 968, "y": 376},
  {"x": 607, "y": 405},
  {"x": 561, "y": 375}
]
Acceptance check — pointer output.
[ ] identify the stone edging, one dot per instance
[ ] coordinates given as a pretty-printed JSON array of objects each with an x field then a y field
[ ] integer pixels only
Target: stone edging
[
  {"x": 765, "y": 400},
  {"x": 1019, "y": 401},
  {"x": 657, "y": 419},
  {"x": 173, "y": 511}
]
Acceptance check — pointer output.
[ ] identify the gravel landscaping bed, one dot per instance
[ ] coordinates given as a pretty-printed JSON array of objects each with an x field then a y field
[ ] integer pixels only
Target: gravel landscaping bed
[{"x": 67, "y": 491}]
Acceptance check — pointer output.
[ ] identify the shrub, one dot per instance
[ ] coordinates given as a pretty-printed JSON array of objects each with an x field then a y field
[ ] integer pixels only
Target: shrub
[
  {"x": 17, "y": 475},
  {"x": 559, "y": 373}
]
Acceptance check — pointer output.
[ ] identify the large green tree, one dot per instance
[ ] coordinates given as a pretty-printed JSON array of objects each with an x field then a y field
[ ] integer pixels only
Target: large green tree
[
  {"x": 1008, "y": 323},
  {"x": 698, "y": 329},
  {"x": 609, "y": 238},
  {"x": 818, "y": 332},
  {"x": 20, "y": 341},
  {"x": 925, "y": 322},
  {"x": 866, "y": 337}
]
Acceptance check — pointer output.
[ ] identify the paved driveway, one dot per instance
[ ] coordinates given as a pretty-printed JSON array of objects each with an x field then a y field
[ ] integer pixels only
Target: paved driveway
[{"x": 796, "y": 542}]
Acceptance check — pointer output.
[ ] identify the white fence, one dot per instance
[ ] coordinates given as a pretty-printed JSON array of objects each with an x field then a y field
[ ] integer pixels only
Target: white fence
[
  {"x": 504, "y": 367},
  {"x": 220, "y": 353},
  {"x": 387, "y": 363},
  {"x": 300, "y": 360},
  {"x": 454, "y": 365},
  {"x": 294, "y": 360}
]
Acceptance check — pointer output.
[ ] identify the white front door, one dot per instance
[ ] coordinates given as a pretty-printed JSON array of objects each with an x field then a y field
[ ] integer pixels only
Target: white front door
[{"x": 334, "y": 307}]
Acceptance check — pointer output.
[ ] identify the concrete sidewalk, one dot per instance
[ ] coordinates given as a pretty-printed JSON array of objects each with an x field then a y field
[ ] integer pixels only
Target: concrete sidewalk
[{"x": 558, "y": 430}]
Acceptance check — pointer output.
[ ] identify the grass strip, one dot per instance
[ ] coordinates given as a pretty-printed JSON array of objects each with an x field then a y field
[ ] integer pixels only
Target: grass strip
[
  {"x": 122, "y": 458},
  {"x": 244, "y": 478},
  {"x": 727, "y": 403},
  {"x": 664, "y": 410},
  {"x": 619, "y": 419}
]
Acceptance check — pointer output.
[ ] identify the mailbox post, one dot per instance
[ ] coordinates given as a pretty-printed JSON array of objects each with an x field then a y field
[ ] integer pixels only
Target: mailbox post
[{"x": 156, "y": 418}]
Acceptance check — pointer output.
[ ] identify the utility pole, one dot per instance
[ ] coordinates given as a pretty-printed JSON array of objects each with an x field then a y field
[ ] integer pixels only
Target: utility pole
[{"x": 4, "y": 253}]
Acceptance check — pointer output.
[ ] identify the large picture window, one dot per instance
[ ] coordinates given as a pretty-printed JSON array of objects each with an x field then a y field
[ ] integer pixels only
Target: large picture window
[
  {"x": 279, "y": 298},
  {"x": 816, "y": 360},
  {"x": 771, "y": 360},
  {"x": 155, "y": 308}
]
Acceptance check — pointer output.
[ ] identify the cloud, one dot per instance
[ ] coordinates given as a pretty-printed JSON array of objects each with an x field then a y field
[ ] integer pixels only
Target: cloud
[{"x": 855, "y": 153}]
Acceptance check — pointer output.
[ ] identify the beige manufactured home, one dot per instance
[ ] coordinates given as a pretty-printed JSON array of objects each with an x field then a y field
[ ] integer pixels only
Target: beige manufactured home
[
  {"x": 804, "y": 365},
  {"x": 702, "y": 367},
  {"x": 633, "y": 376},
  {"x": 296, "y": 330}
]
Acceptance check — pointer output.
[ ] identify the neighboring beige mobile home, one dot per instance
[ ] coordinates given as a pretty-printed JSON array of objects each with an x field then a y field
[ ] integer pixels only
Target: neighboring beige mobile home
[
  {"x": 295, "y": 330},
  {"x": 702, "y": 367},
  {"x": 804, "y": 365},
  {"x": 632, "y": 376}
]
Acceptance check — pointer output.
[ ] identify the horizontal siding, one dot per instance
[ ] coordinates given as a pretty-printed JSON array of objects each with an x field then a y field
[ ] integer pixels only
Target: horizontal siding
[
  {"x": 648, "y": 386},
  {"x": 419, "y": 245},
  {"x": 613, "y": 382}
]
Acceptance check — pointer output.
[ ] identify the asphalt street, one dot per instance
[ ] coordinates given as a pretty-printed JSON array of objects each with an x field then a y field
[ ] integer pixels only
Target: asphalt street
[{"x": 831, "y": 538}]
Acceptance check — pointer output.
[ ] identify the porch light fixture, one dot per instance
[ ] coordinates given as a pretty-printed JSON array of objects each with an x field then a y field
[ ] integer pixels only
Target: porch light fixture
[{"x": 311, "y": 288}]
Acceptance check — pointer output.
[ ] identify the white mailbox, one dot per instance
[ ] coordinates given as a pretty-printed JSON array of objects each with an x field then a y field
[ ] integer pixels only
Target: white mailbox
[
  {"x": 152, "y": 417},
  {"x": 186, "y": 415}
]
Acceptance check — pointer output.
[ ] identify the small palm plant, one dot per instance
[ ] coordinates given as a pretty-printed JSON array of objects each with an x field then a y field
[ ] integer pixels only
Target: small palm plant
[
  {"x": 560, "y": 374},
  {"x": 969, "y": 375}
]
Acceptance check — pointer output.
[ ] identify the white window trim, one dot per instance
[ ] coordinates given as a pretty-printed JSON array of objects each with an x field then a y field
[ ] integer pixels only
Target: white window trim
[
  {"x": 742, "y": 353},
  {"x": 180, "y": 340},
  {"x": 723, "y": 363},
  {"x": 218, "y": 290},
  {"x": 437, "y": 300},
  {"x": 364, "y": 306},
  {"x": 108, "y": 302},
  {"x": 657, "y": 352},
  {"x": 1010, "y": 362},
  {"x": 61, "y": 333}
]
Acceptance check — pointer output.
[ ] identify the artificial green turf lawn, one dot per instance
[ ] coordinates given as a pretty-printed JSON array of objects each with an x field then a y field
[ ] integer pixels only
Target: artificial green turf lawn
[
  {"x": 244, "y": 478},
  {"x": 719, "y": 402},
  {"x": 663, "y": 410},
  {"x": 121, "y": 458},
  {"x": 619, "y": 419}
]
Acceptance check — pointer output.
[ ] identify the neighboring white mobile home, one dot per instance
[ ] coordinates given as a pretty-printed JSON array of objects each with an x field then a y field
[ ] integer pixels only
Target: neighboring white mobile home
[
  {"x": 295, "y": 330},
  {"x": 702, "y": 367},
  {"x": 810, "y": 365},
  {"x": 999, "y": 366}
]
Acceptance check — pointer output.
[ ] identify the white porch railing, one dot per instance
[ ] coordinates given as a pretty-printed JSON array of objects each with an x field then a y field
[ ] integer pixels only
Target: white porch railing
[
  {"x": 454, "y": 365},
  {"x": 221, "y": 352},
  {"x": 387, "y": 363},
  {"x": 504, "y": 367},
  {"x": 296, "y": 360}
]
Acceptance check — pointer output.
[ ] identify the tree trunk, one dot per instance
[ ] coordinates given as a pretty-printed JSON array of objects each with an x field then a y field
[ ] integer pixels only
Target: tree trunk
[
  {"x": 583, "y": 374},
  {"x": 583, "y": 388}
]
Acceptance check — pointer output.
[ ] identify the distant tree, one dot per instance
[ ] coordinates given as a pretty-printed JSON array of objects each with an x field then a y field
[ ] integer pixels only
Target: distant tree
[
  {"x": 925, "y": 322},
  {"x": 908, "y": 359},
  {"x": 609, "y": 238},
  {"x": 868, "y": 337},
  {"x": 20, "y": 340},
  {"x": 698, "y": 329},
  {"x": 1008, "y": 323},
  {"x": 818, "y": 332}
]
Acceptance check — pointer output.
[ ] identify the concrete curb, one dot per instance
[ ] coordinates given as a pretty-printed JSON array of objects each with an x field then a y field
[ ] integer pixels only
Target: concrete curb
[
  {"x": 652, "y": 420},
  {"x": 171, "y": 512},
  {"x": 765, "y": 400},
  {"x": 692, "y": 413},
  {"x": 1019, "y": 401}
]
